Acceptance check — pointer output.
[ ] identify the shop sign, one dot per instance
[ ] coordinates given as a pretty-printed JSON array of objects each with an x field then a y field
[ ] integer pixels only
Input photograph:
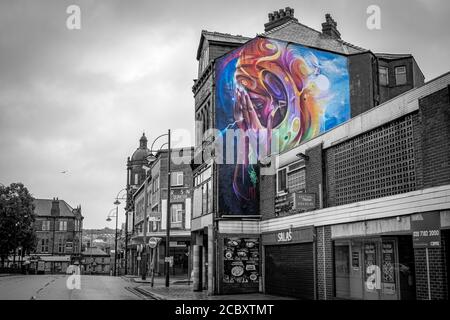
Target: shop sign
[
  {"x": 426, "y": 230},
  {"x": 291, "y": 235},
  {"x": 285, "y": 236},
  {"x": 179, "y": 195},
  {"x": 304, "y": 201}
]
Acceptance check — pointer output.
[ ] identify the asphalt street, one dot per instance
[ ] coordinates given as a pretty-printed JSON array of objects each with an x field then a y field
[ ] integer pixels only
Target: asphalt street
[{"x": 55, "y": 287}]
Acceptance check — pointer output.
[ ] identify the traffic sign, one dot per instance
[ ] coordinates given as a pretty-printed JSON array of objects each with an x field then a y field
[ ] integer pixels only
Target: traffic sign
[{"x": 153, "y": 242}]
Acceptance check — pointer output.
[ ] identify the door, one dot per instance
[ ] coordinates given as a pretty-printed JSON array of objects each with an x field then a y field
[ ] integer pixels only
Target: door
[
  {"x": 289, "y": 270},
  {"x": 356, "y": 271},
  {"x": 372, "y": 271}
]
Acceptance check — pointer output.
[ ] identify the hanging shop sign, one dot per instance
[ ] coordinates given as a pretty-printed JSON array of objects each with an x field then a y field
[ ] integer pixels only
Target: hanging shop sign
[{"x": 426, "y": 228}]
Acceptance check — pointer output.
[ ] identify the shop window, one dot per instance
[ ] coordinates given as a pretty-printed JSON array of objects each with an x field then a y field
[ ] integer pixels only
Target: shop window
[
  {"x": 400, "y": 75},
  {"x": 384, "y": 76}
]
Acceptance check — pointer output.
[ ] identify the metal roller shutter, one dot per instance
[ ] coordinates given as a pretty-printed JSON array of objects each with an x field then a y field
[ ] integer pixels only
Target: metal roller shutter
[{"x": 289, "y": 270}]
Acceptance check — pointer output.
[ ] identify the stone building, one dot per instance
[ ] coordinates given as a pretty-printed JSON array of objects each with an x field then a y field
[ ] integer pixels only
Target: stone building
[{"x": 59, "y": 235}]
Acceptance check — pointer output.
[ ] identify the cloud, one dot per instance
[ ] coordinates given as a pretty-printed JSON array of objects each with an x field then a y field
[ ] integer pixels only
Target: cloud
[{"x": 79, "y": 100}]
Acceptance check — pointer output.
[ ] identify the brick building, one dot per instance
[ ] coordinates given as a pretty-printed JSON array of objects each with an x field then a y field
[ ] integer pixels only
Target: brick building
[
  {"x": 59, "y": 235},
  {"x": 330, "y": 214},
  {"x": 180, "y": 208}
]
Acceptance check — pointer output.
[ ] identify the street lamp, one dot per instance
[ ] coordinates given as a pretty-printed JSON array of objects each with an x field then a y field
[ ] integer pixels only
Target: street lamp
[
  {"x": 150, "y": 159},
  {"x": 117, "y": 202},
  {"x": 126, "y": 223}
]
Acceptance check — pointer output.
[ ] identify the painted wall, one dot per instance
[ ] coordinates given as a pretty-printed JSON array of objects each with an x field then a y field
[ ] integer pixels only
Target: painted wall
[{"x": 281, "y": 93}]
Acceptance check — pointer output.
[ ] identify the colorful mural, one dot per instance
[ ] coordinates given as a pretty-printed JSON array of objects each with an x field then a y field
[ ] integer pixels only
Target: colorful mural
[{"x": 289, "y": 92}]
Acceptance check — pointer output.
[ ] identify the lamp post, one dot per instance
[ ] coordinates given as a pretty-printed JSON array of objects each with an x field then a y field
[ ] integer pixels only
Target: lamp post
[
  {"x": 117, "y": 202},
  {"x": 126, "y": 222},
  {"x": 168, "y": 221}
]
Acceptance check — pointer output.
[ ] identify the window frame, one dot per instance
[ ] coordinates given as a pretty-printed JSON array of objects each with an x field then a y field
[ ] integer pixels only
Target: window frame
[
  {"x": 177, "y": 175},
  {"x": 404, "y": 74},
  {"x": 387, "y": 75},
  {"x": 178, "y": 213}
]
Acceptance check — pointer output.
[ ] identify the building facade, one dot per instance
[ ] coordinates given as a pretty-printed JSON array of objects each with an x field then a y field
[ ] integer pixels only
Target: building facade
[
  {"x": 59, "y": 236},
  {"x": 361, "y": 156},
  {"x": 155, "y": 190},
  {"x": 96, "y": 261}
]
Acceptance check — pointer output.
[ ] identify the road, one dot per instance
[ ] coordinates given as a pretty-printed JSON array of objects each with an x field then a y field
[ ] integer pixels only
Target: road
[{"x": 54, "y": 287}]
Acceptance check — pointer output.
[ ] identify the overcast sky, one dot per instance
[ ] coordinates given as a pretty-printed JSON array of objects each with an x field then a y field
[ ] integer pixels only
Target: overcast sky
[{"x": 78, "y": 100}]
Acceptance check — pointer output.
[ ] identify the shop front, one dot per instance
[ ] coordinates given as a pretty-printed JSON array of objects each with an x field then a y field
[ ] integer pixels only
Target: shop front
[
  {"x": 289, "y": 262},
  {"x": 375, "y": 268}
]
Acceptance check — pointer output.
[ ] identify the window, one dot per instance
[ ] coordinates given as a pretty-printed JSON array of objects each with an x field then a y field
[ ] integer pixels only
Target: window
[
  {"x": 400, "y": 75},
  {"x": 281, "y": 180},
  {"x": 46, "y": 225},
  {"x": 61, "y": 246},
  {"x": 155, "y": 184},
  {"x": 204, "y": 198},
  {"x": 176, "y": 214},
  {"x": 296, "y": 180},
  {"x": 44, "y": 245},
  {"x": 63, "y": 226},
  {"x": 210, "y": 196},
  {"x": 384, "y": 76},
  {"x": 176, "y": 178},
  {"x": 136, "y": 178}
]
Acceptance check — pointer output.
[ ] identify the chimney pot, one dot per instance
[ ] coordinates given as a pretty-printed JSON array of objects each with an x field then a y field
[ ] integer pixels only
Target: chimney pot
[
  {"x": 329, "y": 27},
  {"x": 277, "y": 18}
]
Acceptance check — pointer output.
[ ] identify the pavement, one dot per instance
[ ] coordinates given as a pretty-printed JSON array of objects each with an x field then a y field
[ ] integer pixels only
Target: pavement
[{"x": 179, "y": 289}]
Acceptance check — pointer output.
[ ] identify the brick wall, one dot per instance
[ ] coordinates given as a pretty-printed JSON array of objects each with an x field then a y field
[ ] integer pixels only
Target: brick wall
[
  {"x": 314, "y": 171},
  {"x": 438, "y": 272},
  {"x": 324, "y": 254},
  {"x": 361, "y": 83},
  {"x": 267, "y": 196},
  {"x": 434, "y": 112}
]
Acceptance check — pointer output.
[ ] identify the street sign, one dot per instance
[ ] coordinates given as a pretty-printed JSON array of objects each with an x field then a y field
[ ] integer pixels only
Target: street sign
[
  {"x": 153, "y": 242},
  {"x": 426, "y": 228},
  {"x": 169, "y": 260}
]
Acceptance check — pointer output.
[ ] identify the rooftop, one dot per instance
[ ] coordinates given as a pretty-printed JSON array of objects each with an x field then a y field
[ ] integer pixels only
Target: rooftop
[
  {"x": 43, "y": 208},
  {"x": 294, "y": 31}
]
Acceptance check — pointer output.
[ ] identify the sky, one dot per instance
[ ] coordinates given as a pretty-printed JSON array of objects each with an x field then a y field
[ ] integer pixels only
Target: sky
[{"x": 79, "y": 100}]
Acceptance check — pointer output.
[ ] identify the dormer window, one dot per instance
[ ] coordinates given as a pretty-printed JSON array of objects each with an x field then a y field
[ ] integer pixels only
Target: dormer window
[
  {"x": 400, "y": 75},
  {"x": 384, "y": 76}
]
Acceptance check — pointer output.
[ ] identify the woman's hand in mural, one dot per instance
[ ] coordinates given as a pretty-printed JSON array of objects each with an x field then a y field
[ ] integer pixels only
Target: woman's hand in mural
[{"x": 245, "y": 111}]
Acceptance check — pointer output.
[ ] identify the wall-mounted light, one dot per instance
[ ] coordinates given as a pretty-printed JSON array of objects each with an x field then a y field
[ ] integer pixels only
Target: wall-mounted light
[{"x": 303, "y": 156}]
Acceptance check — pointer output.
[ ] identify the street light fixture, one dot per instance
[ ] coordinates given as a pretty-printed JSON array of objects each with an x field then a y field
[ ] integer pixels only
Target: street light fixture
[
  {"x": 117, "y": 202},
  {"x": 150, "y": 158}
]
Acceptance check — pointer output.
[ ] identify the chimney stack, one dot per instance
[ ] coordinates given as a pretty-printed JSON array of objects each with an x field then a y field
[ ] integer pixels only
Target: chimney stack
[
  {"x": 55, "y": 207},
  {"x": 329, "y": 27},
  {"x": 277, "y": 18}
]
